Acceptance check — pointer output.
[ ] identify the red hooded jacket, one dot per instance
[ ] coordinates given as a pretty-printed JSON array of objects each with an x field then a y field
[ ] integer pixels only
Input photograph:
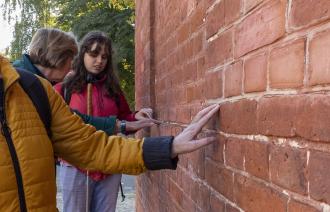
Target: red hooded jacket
[{"x": 102, "y": 106}]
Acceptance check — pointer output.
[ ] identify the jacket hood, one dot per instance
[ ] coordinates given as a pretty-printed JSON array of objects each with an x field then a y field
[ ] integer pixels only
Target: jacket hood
[{"x": 27, "y": 64}]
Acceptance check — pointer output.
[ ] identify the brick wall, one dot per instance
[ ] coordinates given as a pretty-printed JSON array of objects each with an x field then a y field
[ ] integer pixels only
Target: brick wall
[{"x": 267, "y": 62}]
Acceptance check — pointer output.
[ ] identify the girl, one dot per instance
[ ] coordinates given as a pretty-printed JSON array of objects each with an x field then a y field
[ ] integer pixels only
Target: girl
[{"x": 93, "y": 88}]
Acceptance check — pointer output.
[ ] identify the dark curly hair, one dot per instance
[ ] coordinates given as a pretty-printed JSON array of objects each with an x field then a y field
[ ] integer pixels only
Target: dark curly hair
[{"x": 78, "y": 81}]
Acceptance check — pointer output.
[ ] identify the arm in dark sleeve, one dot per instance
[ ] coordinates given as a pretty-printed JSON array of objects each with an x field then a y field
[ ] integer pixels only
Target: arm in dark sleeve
[
  {"x": 157, "y": 153},
  {"x": 106, "y": 124}
]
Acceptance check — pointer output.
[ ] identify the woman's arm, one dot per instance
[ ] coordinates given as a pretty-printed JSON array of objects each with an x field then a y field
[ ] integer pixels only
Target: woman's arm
[{"x": 82, "y": 146}]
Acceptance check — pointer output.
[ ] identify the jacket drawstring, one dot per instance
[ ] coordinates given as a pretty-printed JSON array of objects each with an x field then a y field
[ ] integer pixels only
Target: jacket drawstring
[{"x": 89, "y": 112}]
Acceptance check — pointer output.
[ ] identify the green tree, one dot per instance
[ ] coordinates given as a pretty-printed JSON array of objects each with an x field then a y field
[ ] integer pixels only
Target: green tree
[
  {"x": 28, "y": 16},
  {"x": 114, "y": 17}
]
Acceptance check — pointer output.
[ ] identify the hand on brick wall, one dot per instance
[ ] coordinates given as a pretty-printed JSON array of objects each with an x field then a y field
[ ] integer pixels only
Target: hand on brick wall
[
  {"x": 185, "y": 142},
  {"x": 144, "y": 113},
  {"x": 140, "y": 124}
]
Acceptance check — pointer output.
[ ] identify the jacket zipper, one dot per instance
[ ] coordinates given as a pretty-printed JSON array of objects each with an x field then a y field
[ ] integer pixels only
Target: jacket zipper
[{"x": 7, "y": 134}]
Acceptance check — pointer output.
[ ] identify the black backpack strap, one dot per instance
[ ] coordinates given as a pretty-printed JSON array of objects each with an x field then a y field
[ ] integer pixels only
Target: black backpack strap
[{"x": 37, "y": 93}]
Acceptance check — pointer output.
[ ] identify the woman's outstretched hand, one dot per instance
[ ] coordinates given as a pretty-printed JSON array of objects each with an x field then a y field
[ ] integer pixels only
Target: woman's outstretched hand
[
  {"x": 139, "y": 124},
  {"x": 144, "y": 113},
  {"x": 186, "y": 142}
]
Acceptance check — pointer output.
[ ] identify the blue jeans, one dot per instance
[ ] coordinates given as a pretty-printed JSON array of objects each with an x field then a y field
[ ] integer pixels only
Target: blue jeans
[{"x": 102, "y": 195}]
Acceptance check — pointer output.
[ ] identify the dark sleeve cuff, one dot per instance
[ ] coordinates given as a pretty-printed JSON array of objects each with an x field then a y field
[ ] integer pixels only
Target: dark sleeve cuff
[{"x": 157, "y": 153}]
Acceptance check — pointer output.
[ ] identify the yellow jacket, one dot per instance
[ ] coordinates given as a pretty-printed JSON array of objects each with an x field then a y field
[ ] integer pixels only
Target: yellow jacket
[{"x": 72, "y": 140}]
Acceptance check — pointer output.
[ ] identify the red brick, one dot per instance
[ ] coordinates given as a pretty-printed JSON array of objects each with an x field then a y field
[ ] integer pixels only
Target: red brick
[
  {"x": 215, "y": 19},
  {"x": 191, "y": 5},
  {"x": 173, "y": 206},
  {"x": 160, "y": 99},
  {"x": 295, "y": 206},
  {"x": 198, "y": 43},
  {"x": 307, "y": 12},
  {"x": 183, "y": 180},
  {"x": 313, "y": 119},
  {"x": 181, "y": 94},
  {"x": 138, "y": 206},
  {"x": 213, "y": 124},
  {"x": 255, "y": 73},
  {"x": 239, "y": 117},
  {"x": 173, "y": 23},
  {"x": 200, "y": 91},
  {"x": 252, "y": 196},
  {"x": 177, "y": 80},
  {"x": 288, "y": 168},
  {"x": 287, "y": 65},
  {"x": 203, "y": 200},
  {"x": 256, "y": 159},
  {"x": 213, "y": 85},
  {"x": 234, "y": 153},
  {"x": 191, "y": 93},
  {"x": 233, "y": 79},
  {"x": 180, "y": 56},
  {"x": 216, "y": 204},
  {"x": 197, "y": 17},
  {"x": 220, "y": 179},
  {"x": 190, "y": 72},
  {"x": 176, "y": 130},
  {"x": 196, "y": 162},
  {"x": 319, "y": 55},
  {"x": 220, "y": 50},
  {"x": 232, "y": 10},
  {"x": 250, "y": 4},
  {"x": 277, "y": 115},
  {"x": 171, "y": 45},
  {"x": 183, "y": 160},
  {"x": 209, "y": 2},
  {"x": 171, "y": 110},
  {"x": 215, "y": 150},
  {"x": 183, "y": 81},
  {"x": 318, "y": 176},
  {"x": 230, "y": 208},
  {"x": 183, "y": 33},
  {"x": 261, "y": 27},
  {"x": 183, "y": 114},
  {"x": 188, "y": 204},
  {"x": 176, "y": 193},
  {"x": 188, "y": 50},
  {"x": 201, "y": 67},
  {"x": 194, "y": 191},
  {"x": 154, "y": 131}
]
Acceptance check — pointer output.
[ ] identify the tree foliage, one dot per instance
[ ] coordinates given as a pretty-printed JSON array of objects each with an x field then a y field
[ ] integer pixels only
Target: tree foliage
[
  {"x": 28, "y": 16},
  {"x": 114, "y": 17}
]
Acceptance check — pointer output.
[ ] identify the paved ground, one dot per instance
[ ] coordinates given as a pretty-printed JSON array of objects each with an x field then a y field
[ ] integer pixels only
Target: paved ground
[{"x": 129, "y": 190}]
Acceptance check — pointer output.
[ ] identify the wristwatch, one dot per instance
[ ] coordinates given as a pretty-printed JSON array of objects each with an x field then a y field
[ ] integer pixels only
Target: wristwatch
[{"x": 123, "y": 127}]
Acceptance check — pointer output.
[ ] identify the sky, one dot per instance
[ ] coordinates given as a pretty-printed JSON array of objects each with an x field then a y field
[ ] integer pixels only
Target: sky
[
  {"x": 6, "y": 32},
  {"x": 6, "y": 35}
]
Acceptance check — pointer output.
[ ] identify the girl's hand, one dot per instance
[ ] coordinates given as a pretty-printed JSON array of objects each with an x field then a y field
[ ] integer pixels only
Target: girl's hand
[
  {"x": 137, "y": 125},
  {"x": 132, "y": 126},
  {"x": 144, "y": 113},
  {"x": 185, "y": 142}
]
